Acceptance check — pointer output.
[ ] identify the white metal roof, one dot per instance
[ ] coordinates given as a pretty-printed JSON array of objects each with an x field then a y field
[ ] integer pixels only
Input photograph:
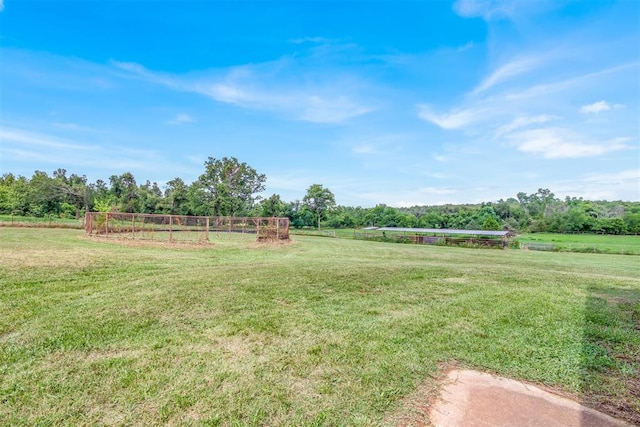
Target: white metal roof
[{"x": 446, "y": 231}]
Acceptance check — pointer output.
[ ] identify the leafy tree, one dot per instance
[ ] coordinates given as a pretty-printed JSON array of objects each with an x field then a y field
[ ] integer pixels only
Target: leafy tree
[
  {"x": 228, "y": 187},
  {"x": 42, "y": 196},
  {"x": 490, "y": 223},
  {"x": 13, "y": 193},
  {"x": 431, "y": 219},
  {"x": 106, "y": 204},
  {"x": 633, "y": 222},
  {"x": 125, "y": 190},
  {"x": 272, "y": 206},
  {"x": 176, "y": 197},
  {"x": 319, "y": 200},
  {"x": 74, "y": 191},
  {"x": 149, "y": 198},
  {"x": 383, "y": 216},
  {"x": 341, "y": 217}
]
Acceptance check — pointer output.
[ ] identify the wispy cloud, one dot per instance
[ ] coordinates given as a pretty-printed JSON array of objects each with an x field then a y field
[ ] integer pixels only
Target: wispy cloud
[
  {"x": 466, "y": 46},
  {"x": 453, "y": 120},
  {"x": 316, "y": 39},
  {"x": 277, "y": 86},
  {"x": 332, "y": 110},
  {"x": 364, "y": 149},
  {"x": 181, "y": 119},
  {"x": 1, "y": 5},
  {"x": 602, "y": 185},
  {"x": 71, "y": 126},
  {"x": 598, "y": 107},
  {"x": 523, "y": 121},
  {"x": 22, "y": 145},
  {"x": 508, "y": 71},
  {"x": 560, "y": 143},
  {"x": 576, "y": 81},
  {"x": 436, "y": 190},
  {"x": 484, "y": 8},
  {"x": 491, "y": 10}
]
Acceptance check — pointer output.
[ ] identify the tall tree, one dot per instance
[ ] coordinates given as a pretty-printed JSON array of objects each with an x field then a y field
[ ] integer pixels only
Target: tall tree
[
  {"x": 319, "y": 200},
  {"x": 229, "y": 187},
  {"x": 272, "y": 206},
  {"x": 176, "y": 196},
  {"x": 125, "y": 190}
]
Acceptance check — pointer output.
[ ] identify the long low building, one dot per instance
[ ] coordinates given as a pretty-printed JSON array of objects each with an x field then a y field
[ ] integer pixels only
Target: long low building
[
  {"x": 442, "y": 235},
  {"x": 446, "y": 231}
]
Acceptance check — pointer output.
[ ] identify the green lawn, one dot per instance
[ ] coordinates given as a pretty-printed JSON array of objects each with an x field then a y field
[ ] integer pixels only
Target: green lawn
[
  {"x": 316, "y": 332},
  {"x": 51, "y": 221},
  {"x": 594, "y": 243}
]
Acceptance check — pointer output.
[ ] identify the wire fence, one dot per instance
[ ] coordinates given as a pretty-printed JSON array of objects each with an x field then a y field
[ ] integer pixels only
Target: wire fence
[{"x": 181, "y": 228}]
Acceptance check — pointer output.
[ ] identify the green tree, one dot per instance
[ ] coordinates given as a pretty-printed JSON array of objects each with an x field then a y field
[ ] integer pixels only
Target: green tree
[
  {"x": 13, "y": 193},
  {"x": 272, "y": 206},
  {"x": 43, "y": 197},
  {"x": 228, "y": 187},
  {"x": 176, "y": 196},
  {"x": 125, "y": 190},
  {"x": 149, "y": 198},
  {"x": 490, "y": 223},
  {"x": 319, "y": 200}
]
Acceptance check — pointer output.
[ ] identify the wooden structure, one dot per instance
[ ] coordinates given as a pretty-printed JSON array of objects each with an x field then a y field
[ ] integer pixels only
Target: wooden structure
[{"x": 174, "y": 228}]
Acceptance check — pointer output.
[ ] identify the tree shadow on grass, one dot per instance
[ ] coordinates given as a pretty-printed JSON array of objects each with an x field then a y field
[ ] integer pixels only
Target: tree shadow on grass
[{"x": 611, "y": 352}]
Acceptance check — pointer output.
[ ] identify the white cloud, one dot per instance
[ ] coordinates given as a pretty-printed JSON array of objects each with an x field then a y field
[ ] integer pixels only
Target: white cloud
[
  {"x": 467, "y": 46},
  {"x": 22, "y": 145},
  {"x": 484, "y": 8},
  {"x": 523, "y": 121},
  {"x": 559, "y": 143},
  {"x": 181, "y": 119},
  {"x": 364, "y": 149},
  {"x": 331, "y": 110},
  {"x": 514, "y": 10},
  {"x": 598, "y": 107},
  {"x": 453, "y": 120},
  {"x": 578, "y": 81},
  {"x": 437, "y": 191},
  {"x": 21, "y": 137},
  {"x": 1, "y": 5},
  {"x": 71, "y": 126},
  {"x": 311, "y": 40},
  {"x": 509, "y": 70},
  {"x": 273, "y": 86},
  {"x": 622, "y": 185}
]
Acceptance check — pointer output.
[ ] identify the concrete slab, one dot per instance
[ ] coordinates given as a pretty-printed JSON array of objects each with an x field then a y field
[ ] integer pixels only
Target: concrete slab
[{"x": 477, "y": 399}]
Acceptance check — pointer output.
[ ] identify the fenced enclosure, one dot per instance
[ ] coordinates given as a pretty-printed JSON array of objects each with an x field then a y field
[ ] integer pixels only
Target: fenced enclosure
[{"x": 181, "y": 228}]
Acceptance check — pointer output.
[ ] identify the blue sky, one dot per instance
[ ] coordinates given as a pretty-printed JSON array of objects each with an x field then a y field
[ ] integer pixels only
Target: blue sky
[{"x": 396, "y": 102}]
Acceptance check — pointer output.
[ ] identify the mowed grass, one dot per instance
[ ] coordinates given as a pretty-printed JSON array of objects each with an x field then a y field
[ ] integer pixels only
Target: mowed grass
[
  {"x": 602, "y": 243},
  {"x": 316, "y": 332}
]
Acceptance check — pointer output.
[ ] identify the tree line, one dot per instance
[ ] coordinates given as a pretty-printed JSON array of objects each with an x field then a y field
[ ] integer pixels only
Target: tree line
[{"x": 228, "y": 187}]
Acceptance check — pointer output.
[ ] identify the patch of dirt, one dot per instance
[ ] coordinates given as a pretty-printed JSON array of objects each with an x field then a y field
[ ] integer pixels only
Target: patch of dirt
[
  {"x": 471, "y": 398},
  {"x": 413, "y": 410},
  {"x": 460, "y": 397}
]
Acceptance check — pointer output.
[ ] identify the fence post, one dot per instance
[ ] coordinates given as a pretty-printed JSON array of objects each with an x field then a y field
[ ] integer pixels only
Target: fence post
[{"x": 207, "y": 228}]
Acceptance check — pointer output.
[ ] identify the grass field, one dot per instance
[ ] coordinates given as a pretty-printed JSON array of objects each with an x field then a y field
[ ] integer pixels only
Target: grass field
[
  {"x": 316, "y": 332},
  {"x": 594, "y": 243},
  {"x": 28, "y": 221}
]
